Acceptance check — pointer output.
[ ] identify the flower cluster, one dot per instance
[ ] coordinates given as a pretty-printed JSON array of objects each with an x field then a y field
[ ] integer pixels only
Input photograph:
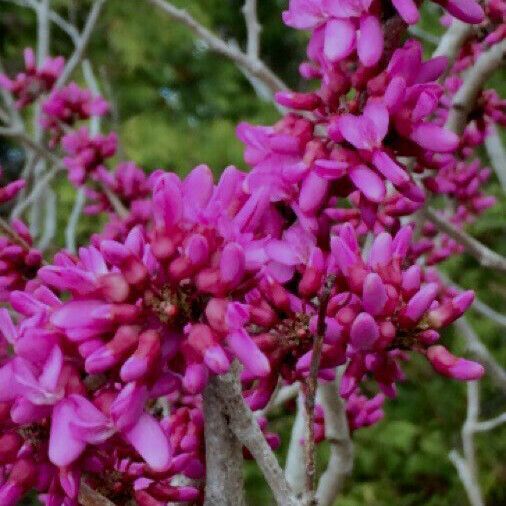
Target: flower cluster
[
  {"x": 29, "y": 85},
  {"x": 86, "y": 154},
  {"x": 105, "y": 355},
  {"x": 67, "y": 105}
]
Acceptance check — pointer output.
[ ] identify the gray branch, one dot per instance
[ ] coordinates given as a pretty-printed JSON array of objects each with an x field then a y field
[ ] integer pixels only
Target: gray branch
[
  {"x": 474, "y": 80},
  {"x": 482, "y": 253},
  {"x": 246, "y": 428},
  {"x": 224, "y": 461}
]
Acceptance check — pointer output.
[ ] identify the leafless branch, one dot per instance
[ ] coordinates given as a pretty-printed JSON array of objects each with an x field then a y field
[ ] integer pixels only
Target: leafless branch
[
  {"x": 283, "y": 395},
  {"x": 13, "y": 235},
  {"x": 50, "y": 220},
  {"x": 496, "y": 372},
  {"x": 453, "y": 39},
  {"x": 43, "y": 30},
  {"x": 295, "y": 470},
  {"x": 496, "y": 154},
  {"x": 224, "y": 461},
  {"x": 245, "y": 426},
  {"x": 337, "y": 433},
  {"x": 71, "y": 228},
  {"x": 254, "y": 66},
  {"x": 473, "y": 493},
  {"x": 491, "y": 424},
  {"x": 482, "y": 253},
  {"x": 81, "y": 45},
  {"x": 423, "y": 35},
  {"x": 253, "y": 28},
  {"x": 311, "y": 386},
  {"x": 466, "y": 464},
  {"x": 466, "y": 97}
]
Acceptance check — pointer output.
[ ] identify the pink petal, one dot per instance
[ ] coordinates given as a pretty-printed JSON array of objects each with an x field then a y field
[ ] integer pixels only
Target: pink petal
[
  {"x": 393, "y": 172},
  {"x": 312, "y": 193},
  {"x": 232, "y": 264},
  {"x": 64, "y": 447},
  {"x": 408, "y": 11},
  {"x": 368, "y": 182},
  {"x": 339, "y": 39},
  {"x": 374, "y": 296},
  {"x": 150, "y": 441},
  {"x": 364, "y": 332},
  {"x": 370, "y": 41},
  {"x": 246, "y": 350},
  {"x": 435, "y": 138},
  {"x": 282, "y": 252}
]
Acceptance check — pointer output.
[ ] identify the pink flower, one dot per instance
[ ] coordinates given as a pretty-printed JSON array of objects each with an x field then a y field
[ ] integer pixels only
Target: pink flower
[{"x": 29, "y": 85}]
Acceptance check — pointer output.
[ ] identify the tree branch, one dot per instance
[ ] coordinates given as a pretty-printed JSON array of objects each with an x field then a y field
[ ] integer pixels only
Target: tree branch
[
  {"x": 453, "y": 39},
  {"x": 224, "y": 461},
  {"x": 466, "y": 96},
  {"x": 470, "y": 486},
  {"x": 474, "y": 345},
  {"x": 466, "y": 465},
  {"x": 496, "y": 154},
  {"x": 337, "y": 432},
  {"x": 295, "y": 470},
  {"x": 254, "y": 66},
  {"x": 82, "y": 43},
  {"x": 487, "y": 425},
  {"x": 312, "y": 383},
  {"x": 482, "y": 253},
  {"x": 246, "y": 428},
  {"x": 253, "y": 28}
]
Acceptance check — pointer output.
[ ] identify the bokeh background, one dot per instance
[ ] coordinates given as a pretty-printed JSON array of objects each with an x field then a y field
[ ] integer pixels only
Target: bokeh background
[{"x": 174, "y": 105}]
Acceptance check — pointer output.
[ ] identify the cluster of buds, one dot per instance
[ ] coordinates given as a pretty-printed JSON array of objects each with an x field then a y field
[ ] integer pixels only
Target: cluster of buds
[
  {"x": 86, "y": 154},
  {"x": 105, "y": 355},
  {"x": 65, "y": 106},
  {"x": 29, "y": 85}
]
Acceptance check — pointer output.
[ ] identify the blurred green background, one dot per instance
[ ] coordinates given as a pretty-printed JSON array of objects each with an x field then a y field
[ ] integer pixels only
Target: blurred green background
[{"x": 176, "y": 105}]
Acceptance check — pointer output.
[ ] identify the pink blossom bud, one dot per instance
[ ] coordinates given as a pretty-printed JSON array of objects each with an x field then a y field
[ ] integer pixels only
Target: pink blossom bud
[
  {"x": 145, "y": 356},
  {"x": 451, "y": 310},
  {"x": 453, "y": 367},
  {"x": 374, "y": 294},
  {"x": 418, "y": 305},
  {"x": 364, "y": 332}
]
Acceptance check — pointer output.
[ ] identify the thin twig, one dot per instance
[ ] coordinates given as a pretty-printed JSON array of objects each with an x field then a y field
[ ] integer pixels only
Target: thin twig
[
  {"x": 482, "y": 253},
  {"x": 491, "y": 424},
  {"x": 311, "y": 384},
  {"x": 13, "y": 235},
  {"x": 50, "y": 220},
  {"x": 253, "y": 28},
  {"x": 465, "y": 99},
  {"x": 71, "y": 228},
  {"x": 466, "y": 463},
  {"x": 295, "y": 470},
  {"x": 496, "y": 372},
  {"x": 254, "y": 66},
  {"x": 84, "y": 38},
  {"x": 466, "y": 478},
  {"x": 496, "y": 154},
  {"x": 337, "y": 432},
  {"x": 453, "y": 39}
]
